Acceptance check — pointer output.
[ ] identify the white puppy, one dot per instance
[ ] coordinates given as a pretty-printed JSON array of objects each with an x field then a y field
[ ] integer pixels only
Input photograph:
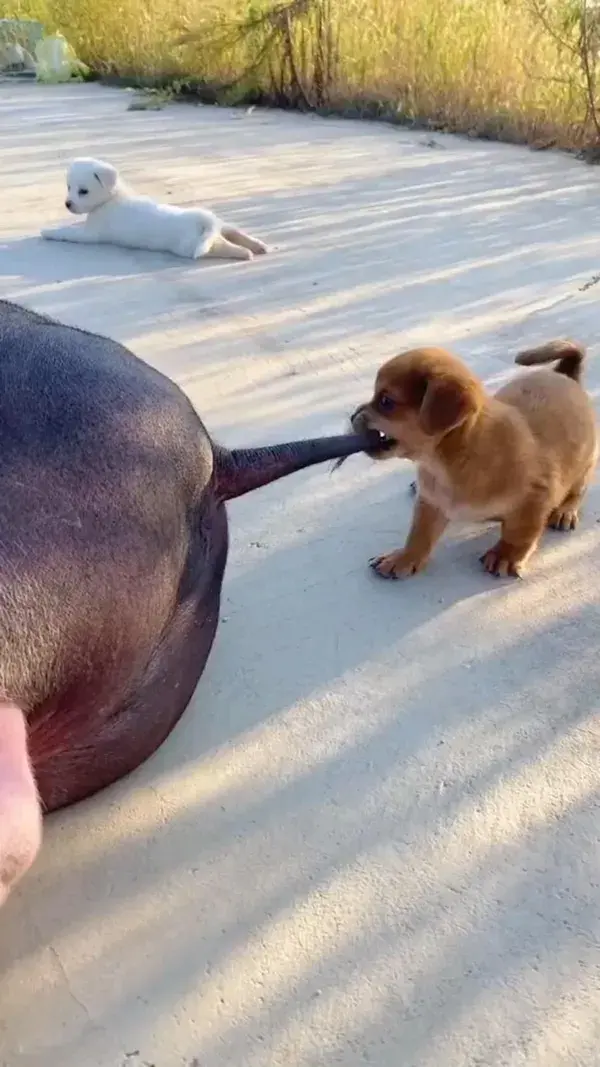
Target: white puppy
[{"x": 117, "y": 216}]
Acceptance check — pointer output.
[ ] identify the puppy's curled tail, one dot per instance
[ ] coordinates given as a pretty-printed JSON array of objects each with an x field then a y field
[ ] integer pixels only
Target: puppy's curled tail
[{"x": 570, "y": 355}]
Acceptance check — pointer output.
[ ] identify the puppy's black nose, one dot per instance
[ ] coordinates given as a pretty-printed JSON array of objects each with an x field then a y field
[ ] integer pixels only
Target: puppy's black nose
[
  {"x": 68, "y": 204},
  {"x": 359, "y": 420}
]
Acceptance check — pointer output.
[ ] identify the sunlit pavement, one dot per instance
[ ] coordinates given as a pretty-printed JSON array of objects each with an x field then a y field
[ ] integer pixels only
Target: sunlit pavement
[{"x": 373, "y": 838}]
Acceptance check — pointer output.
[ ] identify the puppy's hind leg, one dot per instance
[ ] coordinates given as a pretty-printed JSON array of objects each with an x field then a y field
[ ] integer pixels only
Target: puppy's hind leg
[
  {"x": 566, "y": 516},
  {"x": 238, "y": 237},
  {"x": 208, "y": 233},
  {"x": 221, "y": 248}
]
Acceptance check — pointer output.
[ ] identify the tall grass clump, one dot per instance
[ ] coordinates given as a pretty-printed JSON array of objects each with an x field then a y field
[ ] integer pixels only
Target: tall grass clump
[{"x": 523, "y": 70}]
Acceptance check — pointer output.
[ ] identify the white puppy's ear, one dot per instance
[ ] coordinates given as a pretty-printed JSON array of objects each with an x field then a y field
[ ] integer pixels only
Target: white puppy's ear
[{"x": 106, "y": 175}]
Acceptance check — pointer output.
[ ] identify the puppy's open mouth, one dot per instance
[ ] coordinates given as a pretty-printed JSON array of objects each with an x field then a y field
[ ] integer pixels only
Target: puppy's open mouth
[
  {"x": 381, "y": 443},
  {"x": 376, "y": 444}
]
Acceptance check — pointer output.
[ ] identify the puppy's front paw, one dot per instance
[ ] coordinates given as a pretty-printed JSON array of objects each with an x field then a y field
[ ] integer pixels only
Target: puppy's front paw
[
  {"x": 503, "y": 561},
  {"x": 396, "y": 565},
  {"x": 56, "y": 233},
  {"x": 564, "y": 519}
]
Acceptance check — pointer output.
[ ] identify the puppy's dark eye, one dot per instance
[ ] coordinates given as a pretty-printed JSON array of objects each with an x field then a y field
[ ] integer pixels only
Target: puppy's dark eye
[
  {"x": 385, "y": 403},
  {"x": 82, "y": 192}
]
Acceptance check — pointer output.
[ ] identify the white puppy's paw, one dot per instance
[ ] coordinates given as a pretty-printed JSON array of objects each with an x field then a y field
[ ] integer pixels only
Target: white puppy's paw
[
  {"x": 74, "y": 234},
  {"x": 56, "y": 234}
]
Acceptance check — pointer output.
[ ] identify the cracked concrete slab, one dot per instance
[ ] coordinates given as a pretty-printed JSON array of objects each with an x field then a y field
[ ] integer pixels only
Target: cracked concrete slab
[{"x": 373, "y": 838}]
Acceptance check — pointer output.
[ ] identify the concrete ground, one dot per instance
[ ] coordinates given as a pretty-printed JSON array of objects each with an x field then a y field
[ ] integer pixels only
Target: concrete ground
[{"x": 374, "y": 837}]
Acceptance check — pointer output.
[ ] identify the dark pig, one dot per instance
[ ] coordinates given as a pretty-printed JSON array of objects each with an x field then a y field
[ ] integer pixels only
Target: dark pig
[{"x": 113, "y": 543}]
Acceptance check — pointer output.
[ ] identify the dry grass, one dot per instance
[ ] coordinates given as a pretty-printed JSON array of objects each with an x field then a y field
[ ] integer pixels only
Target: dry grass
[{"x": 497, "y": 68}]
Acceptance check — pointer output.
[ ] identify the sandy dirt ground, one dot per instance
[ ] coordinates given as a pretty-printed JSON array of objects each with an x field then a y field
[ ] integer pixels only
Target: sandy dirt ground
[{"x": 374, "y": 837}]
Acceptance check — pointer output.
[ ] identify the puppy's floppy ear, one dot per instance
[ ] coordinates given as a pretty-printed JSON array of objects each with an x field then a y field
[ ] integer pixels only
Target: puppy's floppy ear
[
  {"x": 106, "y": 175},
  {"x": 448, "y": 402}
]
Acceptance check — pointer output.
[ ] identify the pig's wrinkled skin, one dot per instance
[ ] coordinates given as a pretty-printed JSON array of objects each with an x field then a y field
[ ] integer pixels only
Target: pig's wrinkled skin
[{"x": 113, "y": 543}]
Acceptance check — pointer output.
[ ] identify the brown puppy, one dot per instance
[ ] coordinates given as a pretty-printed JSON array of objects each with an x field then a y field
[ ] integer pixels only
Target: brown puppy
[{"x": 522, "y": 457}]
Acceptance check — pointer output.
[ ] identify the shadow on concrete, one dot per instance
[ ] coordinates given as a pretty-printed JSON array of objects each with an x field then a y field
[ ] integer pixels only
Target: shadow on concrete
[{"x": 373, "y": 836}]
